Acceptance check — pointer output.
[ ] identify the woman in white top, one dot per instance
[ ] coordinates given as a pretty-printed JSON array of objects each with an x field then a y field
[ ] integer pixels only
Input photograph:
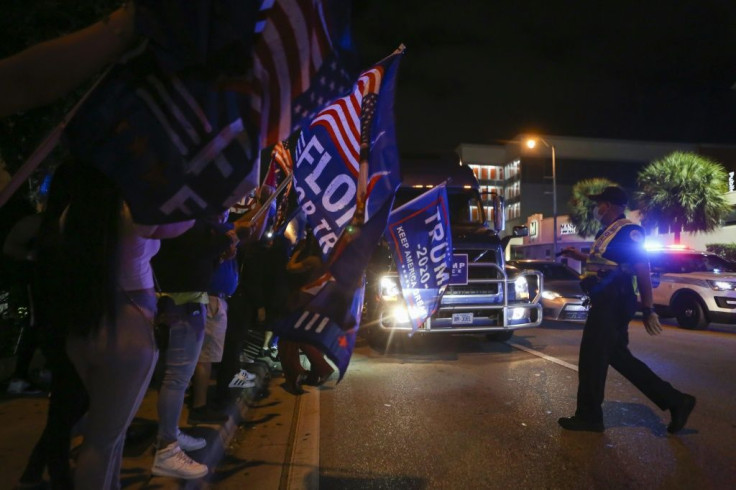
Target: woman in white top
[{"x": 108, "y": 306}]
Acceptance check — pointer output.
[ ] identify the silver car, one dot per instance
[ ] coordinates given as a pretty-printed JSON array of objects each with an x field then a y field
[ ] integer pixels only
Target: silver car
[{"x": 562, "y": 298}]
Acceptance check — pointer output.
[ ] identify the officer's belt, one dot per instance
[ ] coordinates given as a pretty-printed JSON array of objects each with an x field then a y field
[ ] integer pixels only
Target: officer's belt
[{"x": 600, "y": 269}]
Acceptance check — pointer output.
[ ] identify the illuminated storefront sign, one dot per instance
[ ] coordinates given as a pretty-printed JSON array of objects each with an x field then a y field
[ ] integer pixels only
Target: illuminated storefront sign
[
  {"x": 568, "y": 229},
  {"x": 533, "y": 229}
]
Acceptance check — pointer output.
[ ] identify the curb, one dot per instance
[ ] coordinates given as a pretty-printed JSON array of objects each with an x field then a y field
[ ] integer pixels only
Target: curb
[{"x": 213, "y": 453}]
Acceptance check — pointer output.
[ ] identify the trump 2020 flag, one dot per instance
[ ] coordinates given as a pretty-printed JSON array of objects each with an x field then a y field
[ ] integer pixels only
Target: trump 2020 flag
[
  {"x": 346, "y": 175},
  {"x": 419, "y": 235}
]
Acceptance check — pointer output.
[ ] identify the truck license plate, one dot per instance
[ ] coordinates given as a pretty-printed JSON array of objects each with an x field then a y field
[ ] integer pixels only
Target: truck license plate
[{"x": 462, "y": 318}]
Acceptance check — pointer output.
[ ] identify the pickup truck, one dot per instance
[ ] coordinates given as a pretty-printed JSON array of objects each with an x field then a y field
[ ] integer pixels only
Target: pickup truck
[{"x": 483, "y": 299}]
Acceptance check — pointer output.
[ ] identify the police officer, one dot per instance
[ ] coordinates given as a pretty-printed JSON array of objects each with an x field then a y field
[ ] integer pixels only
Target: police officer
[{"x": 616, "y": 266}]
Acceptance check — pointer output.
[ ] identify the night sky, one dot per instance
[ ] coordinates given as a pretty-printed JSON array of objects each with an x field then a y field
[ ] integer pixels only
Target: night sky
[{"x": 484, "y": 71}]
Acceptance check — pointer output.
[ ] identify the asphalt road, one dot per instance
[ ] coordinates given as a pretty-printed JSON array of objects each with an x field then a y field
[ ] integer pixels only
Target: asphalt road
[{"x": 461, "y": 412}]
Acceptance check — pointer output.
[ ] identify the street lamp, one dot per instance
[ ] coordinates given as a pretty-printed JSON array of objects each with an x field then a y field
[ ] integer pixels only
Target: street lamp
[{"x": 531, "y": 143}]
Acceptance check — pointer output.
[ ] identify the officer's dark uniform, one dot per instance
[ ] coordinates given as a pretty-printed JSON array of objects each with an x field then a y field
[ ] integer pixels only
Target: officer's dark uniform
[{"x": 605, "y": 336}]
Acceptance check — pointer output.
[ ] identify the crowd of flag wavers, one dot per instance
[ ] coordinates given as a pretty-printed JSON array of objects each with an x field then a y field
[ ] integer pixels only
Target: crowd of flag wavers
[{"x": 133, "y": 261}]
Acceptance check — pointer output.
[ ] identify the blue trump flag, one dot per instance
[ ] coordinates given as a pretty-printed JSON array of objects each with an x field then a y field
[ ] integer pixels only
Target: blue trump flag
[
  {"x": 328, "y": 155},
  {"x": 178, "y": 122},
  {"x": 178, "y": 147},
  {"x": 346, "y": 175},
  {"x": 419, "y": 235},
  {"x": 162, "y": 124}
]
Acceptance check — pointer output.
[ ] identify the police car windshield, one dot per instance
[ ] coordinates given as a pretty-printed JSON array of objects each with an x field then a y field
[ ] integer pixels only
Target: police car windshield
[
  {"x": 465, "y": 205},
  {"x": 688, "y": 262}
]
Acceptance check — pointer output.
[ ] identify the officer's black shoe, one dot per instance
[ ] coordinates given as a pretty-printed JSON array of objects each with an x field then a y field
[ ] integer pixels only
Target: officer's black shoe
[
  {"x": 680, "y": 413},
  {"x": 576, "y": 423}
]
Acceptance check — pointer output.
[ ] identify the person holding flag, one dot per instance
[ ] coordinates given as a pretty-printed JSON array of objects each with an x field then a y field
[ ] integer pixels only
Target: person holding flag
[{"x": 346, "y": 175}]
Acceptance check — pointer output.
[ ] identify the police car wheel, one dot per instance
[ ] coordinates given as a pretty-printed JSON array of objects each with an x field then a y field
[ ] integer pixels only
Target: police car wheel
[{"x": 689, "y": 313}]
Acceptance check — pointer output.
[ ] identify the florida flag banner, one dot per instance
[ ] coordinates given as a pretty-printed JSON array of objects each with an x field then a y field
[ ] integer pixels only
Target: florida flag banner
[
  {"x": 346, "y": 174},
  {"x": 328, "y": 155},
  {"x": 419, "y": 235}
]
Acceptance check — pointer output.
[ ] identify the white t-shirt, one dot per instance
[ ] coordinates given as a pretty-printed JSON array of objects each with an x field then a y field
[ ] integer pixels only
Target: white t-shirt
[
  {"x": 135, "y": 261},
  {"x": 138, "y": 244}
]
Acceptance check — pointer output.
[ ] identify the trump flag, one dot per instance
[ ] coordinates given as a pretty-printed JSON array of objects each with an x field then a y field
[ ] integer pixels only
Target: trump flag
[
  {"x": 346, "y": 161},
  {"x": 328, "y": 155},
  {"x": 419, "y": 235},
  {"x": 179, "y": 121}
]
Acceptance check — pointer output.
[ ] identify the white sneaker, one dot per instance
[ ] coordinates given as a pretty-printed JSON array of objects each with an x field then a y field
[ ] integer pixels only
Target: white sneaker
[
  {"x": 245, "y": 358},
  {"x": 22, "y": 387},
  {"x": 172, "y": 461},
  {"x": 243, "y": 379},
  {"x": 190, "y": 443}
]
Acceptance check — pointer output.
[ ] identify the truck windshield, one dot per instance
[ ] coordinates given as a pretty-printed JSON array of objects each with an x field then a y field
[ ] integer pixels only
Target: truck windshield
[{"x": 465, "y": 204}]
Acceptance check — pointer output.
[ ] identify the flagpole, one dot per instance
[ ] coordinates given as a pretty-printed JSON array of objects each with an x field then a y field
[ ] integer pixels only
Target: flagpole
[
  {"x": 399, "y": 50},
  {"x": 365, "y": 140},
  {"x": 46, "y": 146},
  {"x": 267, "y": 203}
]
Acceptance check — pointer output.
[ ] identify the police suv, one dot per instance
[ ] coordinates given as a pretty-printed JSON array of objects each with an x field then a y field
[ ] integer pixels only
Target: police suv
[{"x": 695, "y": 287}]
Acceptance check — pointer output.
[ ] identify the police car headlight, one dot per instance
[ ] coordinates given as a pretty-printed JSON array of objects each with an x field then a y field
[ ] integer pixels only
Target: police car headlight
[
  {"x": 521, "y": 288},
  {"x": 722, "y": 285},
  {"x": 550, "y": 295},
  {"x": 390, "y": 288}
]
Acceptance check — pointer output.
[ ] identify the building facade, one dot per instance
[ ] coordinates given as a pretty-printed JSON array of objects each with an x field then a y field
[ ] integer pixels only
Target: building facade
[{"x": 529, "y": 178}]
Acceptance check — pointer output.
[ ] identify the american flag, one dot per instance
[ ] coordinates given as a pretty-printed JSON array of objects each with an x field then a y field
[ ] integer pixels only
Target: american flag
[
  {"x": 293, "y": 53},
  {"x": 342, "y": 118},
  {"x": 359, "y": 122},
  {"x": 331, "y": 80}
]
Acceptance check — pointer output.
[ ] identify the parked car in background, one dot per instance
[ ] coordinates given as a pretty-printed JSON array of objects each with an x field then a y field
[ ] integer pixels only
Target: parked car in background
[
  {"x": 695, "y": 287},
  {"x": 562, "y": 298}
]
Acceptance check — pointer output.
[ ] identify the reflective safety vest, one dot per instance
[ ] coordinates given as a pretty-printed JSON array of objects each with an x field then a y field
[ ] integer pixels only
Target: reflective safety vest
[{"x": 596, "y": 263}]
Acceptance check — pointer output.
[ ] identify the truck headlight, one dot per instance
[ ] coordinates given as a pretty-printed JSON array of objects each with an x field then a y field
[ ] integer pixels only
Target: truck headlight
[
  {"x": 517, "y": 313},
  {"x": 390, "y": 289},
  {"x": 521, "y": 288},
  {"x": 720, "y": 285},
  {"x": 400, "y": 314},
  {"x": 550, "y": 295}
]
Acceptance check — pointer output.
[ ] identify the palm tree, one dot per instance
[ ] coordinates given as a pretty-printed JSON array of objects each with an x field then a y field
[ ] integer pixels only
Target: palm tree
[
  {"x": 683, "y": 191},
  {"x": 581, "y": 208}
]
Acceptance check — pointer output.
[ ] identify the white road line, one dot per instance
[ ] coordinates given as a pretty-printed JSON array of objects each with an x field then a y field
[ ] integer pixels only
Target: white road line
[
  {"x": 544, "y": 356},
  {"x": 302, "y": 467}
]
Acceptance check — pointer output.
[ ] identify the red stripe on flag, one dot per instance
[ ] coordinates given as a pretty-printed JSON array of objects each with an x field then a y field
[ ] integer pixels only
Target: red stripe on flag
[{"x": 290, "y": 50}]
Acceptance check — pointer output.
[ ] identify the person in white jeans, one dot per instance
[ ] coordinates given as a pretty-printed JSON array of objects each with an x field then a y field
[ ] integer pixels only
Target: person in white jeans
[
  {"x": 115, "y": 365},
  {"x": 105, "y": 299}
]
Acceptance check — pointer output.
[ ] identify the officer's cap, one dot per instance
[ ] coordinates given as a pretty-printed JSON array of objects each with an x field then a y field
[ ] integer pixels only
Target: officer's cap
[{"x": 612, "y": 194}]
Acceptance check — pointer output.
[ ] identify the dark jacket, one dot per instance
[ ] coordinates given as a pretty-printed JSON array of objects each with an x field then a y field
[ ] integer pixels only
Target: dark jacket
[{"x": 187, "y": 263}]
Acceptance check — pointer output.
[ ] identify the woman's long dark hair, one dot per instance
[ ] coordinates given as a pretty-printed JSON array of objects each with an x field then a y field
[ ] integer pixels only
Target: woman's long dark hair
[{"x": 89, "y": 242}]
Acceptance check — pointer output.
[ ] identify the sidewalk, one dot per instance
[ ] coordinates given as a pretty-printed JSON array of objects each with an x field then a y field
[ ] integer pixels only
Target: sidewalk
[{"x": 24, "y": 418}]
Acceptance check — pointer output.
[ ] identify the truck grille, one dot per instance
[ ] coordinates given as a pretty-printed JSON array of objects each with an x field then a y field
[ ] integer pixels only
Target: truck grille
[{"x": 473, "y": 288}]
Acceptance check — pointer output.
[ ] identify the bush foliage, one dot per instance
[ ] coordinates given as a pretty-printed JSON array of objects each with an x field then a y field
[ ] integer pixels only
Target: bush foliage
[{"x": 724, "y": 250}]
